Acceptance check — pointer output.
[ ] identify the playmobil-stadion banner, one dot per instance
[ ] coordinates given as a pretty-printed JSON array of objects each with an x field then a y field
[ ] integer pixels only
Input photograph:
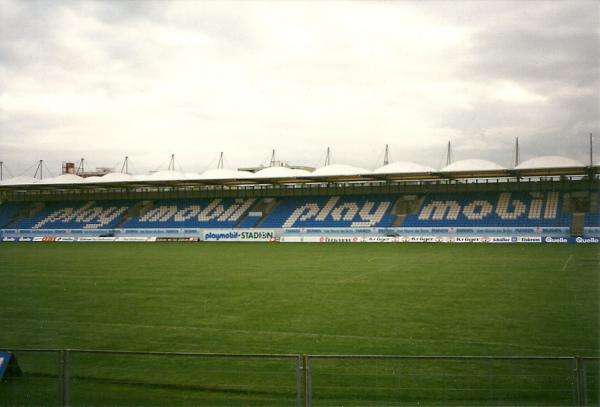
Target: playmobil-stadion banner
[{"x": 238, "y": 235}]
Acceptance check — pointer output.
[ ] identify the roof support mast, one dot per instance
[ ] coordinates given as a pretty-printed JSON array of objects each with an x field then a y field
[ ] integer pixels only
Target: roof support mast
[
  {"x": 449, "y": 154},
  {"x": 386, "y": 156},
  {"x": 517, "y": 155},
  {"x": 125, "y": 166},
  {"x": 591, "y": 150},
  {"x": 220, "y": 163},
  {"x": 80, "y": 168},
  {"x": 172, "y": 163},
  {"x": 328, "y": 157},
  {"x": 40, "y": 169},
  {"x": 1, "y": 170}
]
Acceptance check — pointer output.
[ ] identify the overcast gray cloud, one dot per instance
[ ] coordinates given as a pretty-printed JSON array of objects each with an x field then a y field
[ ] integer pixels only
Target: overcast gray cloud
[{"x": 102, "y": 80}]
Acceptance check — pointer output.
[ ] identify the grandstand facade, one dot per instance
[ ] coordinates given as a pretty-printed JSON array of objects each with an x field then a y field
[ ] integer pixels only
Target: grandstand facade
[{"x": 469, "y": 198}]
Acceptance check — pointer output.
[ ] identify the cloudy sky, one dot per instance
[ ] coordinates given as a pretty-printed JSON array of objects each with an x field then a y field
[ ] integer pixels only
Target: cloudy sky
[{"x": 102, "y": 80}]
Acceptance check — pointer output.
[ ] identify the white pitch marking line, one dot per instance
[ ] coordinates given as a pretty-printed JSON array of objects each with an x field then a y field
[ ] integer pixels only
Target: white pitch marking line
[
  {"x": 567, "y": 263},
  {"x": 360, "y": 275}
]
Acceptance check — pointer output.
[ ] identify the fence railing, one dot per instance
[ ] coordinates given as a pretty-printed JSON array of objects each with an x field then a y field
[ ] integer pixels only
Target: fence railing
[{"x": 94, "y": 377}]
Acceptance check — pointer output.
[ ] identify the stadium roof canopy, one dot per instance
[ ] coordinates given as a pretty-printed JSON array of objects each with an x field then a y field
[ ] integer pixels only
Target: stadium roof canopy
[
  {"x": 403, "y": 167},
  {"x": 338, "y": 169},
  {"x": 95, "y": 179},
  {"x": 472, "y": 165},
  {"x": 279, "y": 172},
  {"x": 548, "y": 166},
  {"x": 223, "y": 173},
  {"x": 62, "y": 179},
  {"x": 162, "y": 176},
  {"x": 474, "y": 168},
  {"x": 549, "y": 161},
  {"x": 20, "y": 180},
  {"x": 335, "y": 173},
  {"x": 113, "y": 177}
]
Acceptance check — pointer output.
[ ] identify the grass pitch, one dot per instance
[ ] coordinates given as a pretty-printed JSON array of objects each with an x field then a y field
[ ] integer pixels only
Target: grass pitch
[{"x": 384, "y": 299}]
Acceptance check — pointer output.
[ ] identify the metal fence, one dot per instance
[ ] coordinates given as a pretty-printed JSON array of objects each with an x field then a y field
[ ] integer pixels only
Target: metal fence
[
  {"x": 88, "y": 377},
  {"x": 453, "y": 380}
]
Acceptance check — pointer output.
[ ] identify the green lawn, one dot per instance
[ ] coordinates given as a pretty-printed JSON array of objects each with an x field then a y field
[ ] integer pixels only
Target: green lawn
[{"x": 385, "y": 299}]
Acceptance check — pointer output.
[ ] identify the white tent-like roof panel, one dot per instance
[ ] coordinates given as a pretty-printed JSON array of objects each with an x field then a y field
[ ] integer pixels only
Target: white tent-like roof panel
[
  {"x": 62, "y": 179},
  {"x": 162, "y": 176},
  {"x": 279, "y": 172},
  {"x": 20, "y": 180},
  {"x": 339, "y": 169},
  {"x": 548, "y": 161},
  {"x": 224, "y": 173},
  {"x": 115, "y": 177},
  {"x": 472, "y": 165},
  {"x": 92, "y": 180},
  {"x": 402, "y": 167},
  {"x": 191, "y": 175}
]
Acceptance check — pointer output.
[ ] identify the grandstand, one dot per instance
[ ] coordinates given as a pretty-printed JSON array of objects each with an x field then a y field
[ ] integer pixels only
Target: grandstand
[
  {"x": 288, "y": 324},
  {"x": 547, "y": 196}
]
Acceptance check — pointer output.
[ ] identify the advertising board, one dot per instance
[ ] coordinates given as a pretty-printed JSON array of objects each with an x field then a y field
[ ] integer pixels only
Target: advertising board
[
  {"x": 95, "y": 239},
  {"x": 131, "y": 239},
  {"x": 468, "y": 239},
  {"x": 238, "y": 235},
  {"x": 501, "y": 239},
  {"x": 340, "y": 239},
  {"x": 422, "y": 239},
  {"x": 587, "y": 240},
  {"x": 529, "y": 239},
  {"x": 175, "y": 239}
]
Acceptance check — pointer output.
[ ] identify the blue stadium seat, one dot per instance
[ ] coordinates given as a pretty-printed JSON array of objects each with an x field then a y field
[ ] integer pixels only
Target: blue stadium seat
[
  {"x": 250, "y": 221},
  {"x": 76, "y": 215},
  {"x": 193, "y": 213},
  {"x": 507, "y": 209},
  {"x": 592, "y": 219},
  {"x": 8, "y": 211},
  {"x": 333, "y": 211}
]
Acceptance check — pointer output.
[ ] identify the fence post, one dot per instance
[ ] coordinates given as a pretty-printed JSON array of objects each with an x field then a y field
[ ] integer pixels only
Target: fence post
[
  {"x": 65, "y": 378},
  {"x": 299, "y": 381},
  {"x": 307, "y": 384},
  {"x": 579, "y": 376},
  {"x": 582, "y": 380}
]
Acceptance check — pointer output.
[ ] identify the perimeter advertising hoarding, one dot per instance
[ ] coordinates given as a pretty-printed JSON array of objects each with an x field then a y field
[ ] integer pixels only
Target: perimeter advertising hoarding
[
  {"x": 587, "y": 240},
  {"x": 238, "y": 235},
  {"x": 95, "y": 239},
  {"x": 383, "y": 239},
  {"x": 468, "y": 239},
  {"x": 175, "y": 239},
  {"x": 501, "y": 239},
  {"x": 341, "y": 239},
  {"x": 422, "y": 239},
  {"x": 132, "y": 239},
  {"x": 529, "y": 239}
]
